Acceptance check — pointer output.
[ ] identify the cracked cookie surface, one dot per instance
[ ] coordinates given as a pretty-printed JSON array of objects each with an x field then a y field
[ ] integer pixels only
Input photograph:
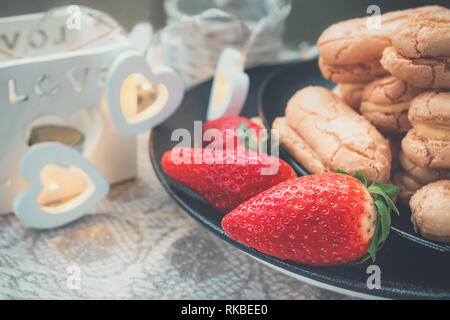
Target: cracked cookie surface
[
  {"x": 426, "y": 34},
  {"x": 352, "y": 41},
  {"x": 354, "y": 73},
  {"x": 340, "y": 137},
  {"x": 432, "y": 108},
  {"x": 350, "y": 93},
  {"x": 385, "y": 103},
  {"x": 423, "y": 175},
  {"x": 426, "y": 152},
  {"x": 407, "y": 184},
  {"x": 427, "y": 73},
  {"x": 430, "y": 215},
  {"x": 297, "y": 147}
]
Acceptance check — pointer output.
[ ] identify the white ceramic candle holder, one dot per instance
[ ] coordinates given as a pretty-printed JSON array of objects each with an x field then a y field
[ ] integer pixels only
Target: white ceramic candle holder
[
  {"x": 52, "y": 75},
  {"x": 230, "y": 86}
]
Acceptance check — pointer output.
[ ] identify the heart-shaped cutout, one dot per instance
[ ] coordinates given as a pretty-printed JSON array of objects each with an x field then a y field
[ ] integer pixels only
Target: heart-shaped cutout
[
  {"x": 63, "y": 184},
  {"x": 81, "y": 130},
  {"x": 121, "y": 95},
  {"x": 37, "y": 159},
  {"x": 141, "y": 99},
  {"x": 230, "y": 86}
]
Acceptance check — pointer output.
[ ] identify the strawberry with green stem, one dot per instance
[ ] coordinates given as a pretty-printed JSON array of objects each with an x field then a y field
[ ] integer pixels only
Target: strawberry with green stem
[
  {"x": 322, "y": 219},
  {"x": 235, "y": 132},
  {"x": 382, "y": 195}
]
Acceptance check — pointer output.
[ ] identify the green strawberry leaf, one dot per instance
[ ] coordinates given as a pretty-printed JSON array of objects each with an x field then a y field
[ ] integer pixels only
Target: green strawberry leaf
[
  {"x": 383, "y": 201},
  {"x": 375, "y": 188},
  {"x": 245, "y": 135},
  {"x": 364, "y": 259},
  {"x": 385, "y": 219},
  {"x": 382, "y": 230},
  {"x": 341, "y": 171},
  {"x": 373, "y": 247},
  {"x": 242, "y": 127},
  {"x": 250, "y": 140},
  {"x": 358, "y": 175},
  {"x": 389, "y": 189}
]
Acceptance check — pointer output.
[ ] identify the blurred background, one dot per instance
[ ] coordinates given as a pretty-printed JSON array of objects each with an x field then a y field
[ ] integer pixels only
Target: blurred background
[{"x": 307, "y": 20}]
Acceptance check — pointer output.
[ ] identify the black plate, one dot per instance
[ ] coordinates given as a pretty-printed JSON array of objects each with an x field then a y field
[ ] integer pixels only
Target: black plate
[{"x": 408, "y": 269}]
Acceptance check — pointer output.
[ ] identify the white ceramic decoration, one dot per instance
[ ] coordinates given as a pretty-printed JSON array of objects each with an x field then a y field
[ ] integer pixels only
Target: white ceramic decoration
[
  {"x": 32, "y": 163},
  {"x": 170, "y": 88},
  {"x": 230, "y": 86},
  {"x": 53, "y": 75},
  {"x": 141, "y": 35},
  {"x": 56, "y": 74}
]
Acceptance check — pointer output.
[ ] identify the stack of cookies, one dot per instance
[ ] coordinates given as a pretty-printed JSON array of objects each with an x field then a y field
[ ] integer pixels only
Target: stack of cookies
[
  {"x": 350, "y": 51},
  {"x": 398, "y": 77},
  {"x": 381, "y": 72},
  {"x": 425, "y": 151},
  {"x": 420, "y": 51},
  {"x": 420, "y": 55}
]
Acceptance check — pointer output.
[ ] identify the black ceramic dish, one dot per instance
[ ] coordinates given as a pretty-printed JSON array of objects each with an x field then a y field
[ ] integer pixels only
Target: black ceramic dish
[{"x": 410, "y": 268}]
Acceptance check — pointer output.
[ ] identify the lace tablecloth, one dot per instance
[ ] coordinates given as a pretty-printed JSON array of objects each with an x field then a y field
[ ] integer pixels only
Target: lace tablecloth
[{"x": 138, "y": 245}]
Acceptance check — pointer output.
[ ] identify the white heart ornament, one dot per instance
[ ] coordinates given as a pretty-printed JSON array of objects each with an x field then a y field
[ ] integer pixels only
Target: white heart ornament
[
  {"x": 230, "y": 86},
  {"x": 171, "y": 91},
  {"x": 26, "y": 205}
]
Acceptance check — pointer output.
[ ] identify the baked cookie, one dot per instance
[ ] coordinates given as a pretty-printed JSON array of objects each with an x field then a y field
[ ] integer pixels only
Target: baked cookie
[
  {"x": 350, "y": 93},
  {"x": 428, "y": 73},
  {"x": 430, "y": 207},
  {"x": 407, "y": 184},
  {"x": 336, "y": 135},
  {"x": 422, "y": 175},
  {"x": 426, "y": 34},
  {"x": 430, "y": 114},
  {"x": 385, "y": 103},
  {"x": 353, "y": 42},
  {"x": 427, "y": 144},
  {"x": 297, "y": 147},
  {"x": 353, "y": 73},
  {"x": 424, "y": 152}
]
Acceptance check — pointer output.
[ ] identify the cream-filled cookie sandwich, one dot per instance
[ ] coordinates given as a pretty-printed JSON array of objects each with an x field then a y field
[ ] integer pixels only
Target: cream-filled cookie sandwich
[
  {"x": 350, "y": 51},
  {"x": 422, "y": 175},
  {"x": 350, "y": 93},
  {"x": 324, "y": 134},
  {"x": 426, "y": 34},
  {"x": 424, "y": 73},
  {"x": 412, "y": 177},
  {"x": 427, "y": 144},
  {"x": 355, "y": 41},
  {"x": 407, "y": 184},
  {"x": 420, "y": 51},
  {"x": 385, "y": 103},
  {"x": 358, "y": 73}
]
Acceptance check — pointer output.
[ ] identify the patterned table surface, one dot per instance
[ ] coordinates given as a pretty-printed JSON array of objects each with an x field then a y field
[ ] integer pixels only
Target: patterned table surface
[{"x": 138, "y": 245}]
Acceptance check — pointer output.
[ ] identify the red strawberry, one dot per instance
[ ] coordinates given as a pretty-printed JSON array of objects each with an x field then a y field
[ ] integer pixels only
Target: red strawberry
[
  {"x": 231, "y": 133},
  {"x": 225, "y": 178},
  {"x": 324, "y": 219}
]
